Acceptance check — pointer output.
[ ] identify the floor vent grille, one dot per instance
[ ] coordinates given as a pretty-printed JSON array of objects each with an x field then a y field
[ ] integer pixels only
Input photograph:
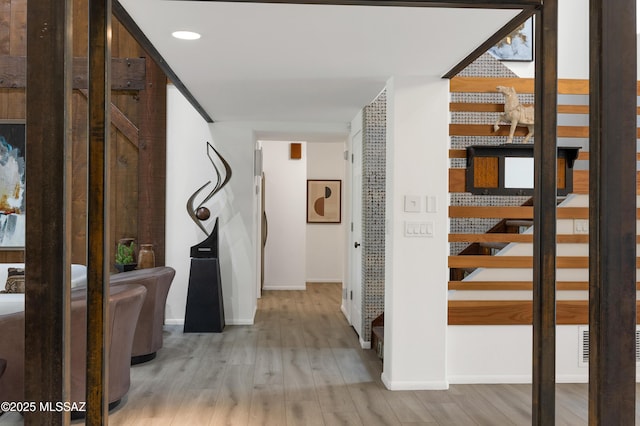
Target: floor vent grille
[{"x": 583, "y": 349}]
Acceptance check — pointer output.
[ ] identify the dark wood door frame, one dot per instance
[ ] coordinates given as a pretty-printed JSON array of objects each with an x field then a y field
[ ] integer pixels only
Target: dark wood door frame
[
  {"x": 544, "y": 215},
  {"x": 612, "y": 217},
  {"x": 48, "y": 208}
]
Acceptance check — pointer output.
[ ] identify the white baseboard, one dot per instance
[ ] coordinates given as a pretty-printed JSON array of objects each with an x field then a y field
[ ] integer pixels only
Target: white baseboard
[
  {"x": 283, "y": 287},
  {"x": 574, "y": 378},
  {"x": 238, "y": 321},
  {"x": 364, "y": 345},
  {"x": 400, "y": 385},
  {"x": 520, "y": 379},
  {"x": 344, "y": 312},
  {"x": 489, "y": 379}
]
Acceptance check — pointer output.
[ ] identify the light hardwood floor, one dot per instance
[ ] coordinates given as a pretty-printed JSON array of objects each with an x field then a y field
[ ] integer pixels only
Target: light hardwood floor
[{"x": 301, "y": 364}]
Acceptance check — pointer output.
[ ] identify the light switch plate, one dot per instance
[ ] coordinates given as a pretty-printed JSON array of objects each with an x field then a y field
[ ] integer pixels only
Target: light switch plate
[
  {"x": 419, "y": 229},
  {"x": 580, "y": 226},
  {"x": 432, "y": 204}
]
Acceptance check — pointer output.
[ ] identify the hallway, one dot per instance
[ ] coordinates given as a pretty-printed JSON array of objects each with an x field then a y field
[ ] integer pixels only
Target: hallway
[{"x": 301, "y": 364}]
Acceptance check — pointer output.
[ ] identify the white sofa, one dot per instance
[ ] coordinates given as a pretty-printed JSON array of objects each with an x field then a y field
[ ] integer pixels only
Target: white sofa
[{"x": 14, "y": 302}]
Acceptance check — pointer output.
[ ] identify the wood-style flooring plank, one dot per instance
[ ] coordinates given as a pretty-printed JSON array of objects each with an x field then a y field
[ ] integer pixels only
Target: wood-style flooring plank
[
  {"x": 450, "y": 414},
  {"x": 351, "y": 366},
  {"x": 503, "y": 399},
  {"x": 298, "y": 376},
  {"x": 267, "y": 406},
  {"x": 476, "y": 406},
  {"x": 335, "y": 398},
  {"x": 234, "y": 400},
  {"x": 372, "y": 407},
  {"x": 342, "y": 418},
  {"x": 304, "y": 413},
  {"x": 408, "y": 408},
  {"x": 268, "y": 366}
]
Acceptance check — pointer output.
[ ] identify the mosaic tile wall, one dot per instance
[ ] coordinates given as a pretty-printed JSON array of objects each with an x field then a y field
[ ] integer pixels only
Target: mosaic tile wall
[
  {"x": 484, "y": 66},
  {"x": 373, "y": 191},
  {"x": 373, "y": 210}
]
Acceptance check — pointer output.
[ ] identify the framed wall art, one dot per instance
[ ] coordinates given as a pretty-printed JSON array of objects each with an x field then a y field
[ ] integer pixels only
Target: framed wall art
[
  {"x": 517, "y": 46},
  {"x": 324, "y": 201},
  {"x": 12, "y": 184}
]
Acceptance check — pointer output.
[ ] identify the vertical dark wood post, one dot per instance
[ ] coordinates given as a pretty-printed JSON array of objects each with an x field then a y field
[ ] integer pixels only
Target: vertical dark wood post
[
  {"x": 612, "y": 212},
  {"x": 97, "y": 212},
  {"x": 48, "y": 202},
  {"x": 152, "y": 161},
  {"x": 545, "y": 200}
]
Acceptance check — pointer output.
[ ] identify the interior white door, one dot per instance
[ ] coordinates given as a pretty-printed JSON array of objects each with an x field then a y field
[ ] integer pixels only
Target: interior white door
[{"x": 354, "y": 294}]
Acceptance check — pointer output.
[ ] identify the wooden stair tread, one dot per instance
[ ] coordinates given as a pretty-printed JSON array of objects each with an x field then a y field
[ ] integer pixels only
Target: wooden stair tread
[
  {"x": 378, "y": 332},
  {"x": 519, "y": 222},
  {"x": 493, "y": 245}
]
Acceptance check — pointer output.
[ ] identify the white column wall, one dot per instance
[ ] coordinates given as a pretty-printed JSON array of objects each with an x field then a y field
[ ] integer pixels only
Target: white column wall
[
  {"x": 285, "y": 206},
  {"x": 415, "y": 352},
  {"x": 326, "y": 241},
  {"x": 187, "y": 169},
  {"x": 238, "y": 224}
]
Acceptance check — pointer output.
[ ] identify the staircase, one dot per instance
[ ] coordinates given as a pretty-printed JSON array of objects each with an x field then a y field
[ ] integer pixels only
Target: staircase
[{"x": 489, "y": 248}]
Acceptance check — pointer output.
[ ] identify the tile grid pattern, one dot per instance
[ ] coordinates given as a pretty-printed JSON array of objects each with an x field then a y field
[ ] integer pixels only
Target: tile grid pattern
[
  {"x": 484, "y": 66},
  {"x": 373, "y": 210}
]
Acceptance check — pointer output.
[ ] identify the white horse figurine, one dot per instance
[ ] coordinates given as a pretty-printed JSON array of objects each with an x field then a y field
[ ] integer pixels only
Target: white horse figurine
[{"x": 515, "y": 113}]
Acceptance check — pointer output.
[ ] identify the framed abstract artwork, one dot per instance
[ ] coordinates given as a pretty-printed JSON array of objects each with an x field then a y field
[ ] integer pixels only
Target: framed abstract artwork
[
  {"x": 12, "y": 184},
  {"x": 517, "y": 46},
  {"x": 324, "y": 201}
]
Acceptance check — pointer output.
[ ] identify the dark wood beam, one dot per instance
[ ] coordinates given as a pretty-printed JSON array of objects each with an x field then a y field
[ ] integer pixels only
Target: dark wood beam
[
  {"x": 545, "y": 215},
  {"x": 483, "y": 4},
  {"x": 48, "y": 208},
  {"x": 152, "y": 160},
  {"x": 127, "y": 21},
  {"x": 98, "y": 210},
  {"x": 612, "y": 213},
  {"x": 492, "y": 41},
  {"x": 127, "y": 73}
]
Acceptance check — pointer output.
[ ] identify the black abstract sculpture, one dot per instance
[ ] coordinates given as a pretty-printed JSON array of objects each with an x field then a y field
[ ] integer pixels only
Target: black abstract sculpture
[
  {"x": 201, "y": 213},
  {"x": 205, "y": 310}
]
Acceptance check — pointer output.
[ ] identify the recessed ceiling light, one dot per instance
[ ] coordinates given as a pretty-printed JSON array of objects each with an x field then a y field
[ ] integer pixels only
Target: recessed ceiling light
[{"x": 185, "y": 35}]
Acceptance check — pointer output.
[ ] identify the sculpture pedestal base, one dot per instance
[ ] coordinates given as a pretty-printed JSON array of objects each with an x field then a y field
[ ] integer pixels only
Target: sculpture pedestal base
[{"x": 205, "y": 311}]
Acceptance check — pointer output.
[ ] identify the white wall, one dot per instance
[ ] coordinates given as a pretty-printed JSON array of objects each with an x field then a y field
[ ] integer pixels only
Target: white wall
[
  {"x": 188, "y": 168},
  {"x": 573, "y": 43},
  {"x": 285, "y": 194},
  {"x": 187, "y": 133},
  {"x": 503, "y": 354},
  {"x": 326, "y": 241},
  {"x": 416, "y": 268},
  {"x": 238, "y": 225}
]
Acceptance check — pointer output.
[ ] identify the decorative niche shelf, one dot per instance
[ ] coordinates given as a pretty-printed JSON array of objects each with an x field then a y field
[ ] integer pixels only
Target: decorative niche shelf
[{"x": 508, "y": 169}]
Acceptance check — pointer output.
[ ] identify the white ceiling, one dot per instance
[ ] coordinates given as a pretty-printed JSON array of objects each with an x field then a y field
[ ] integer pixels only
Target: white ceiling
[{"x": 305, "y": 63}]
